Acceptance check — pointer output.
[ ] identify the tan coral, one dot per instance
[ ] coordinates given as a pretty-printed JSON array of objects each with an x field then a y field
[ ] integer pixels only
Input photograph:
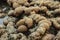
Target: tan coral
[
  {"x": 51, "y": 4},
  {"x": 50, "y": 13},
  {"x": 11, "y": 1},
  {"x": 22, "y": 1},
  {"x": 45, "y": 21},
  {"x": 30, "y": 9},
  {"x": 36, "y": 8},
  {"x": 22, "y": 36},
  {"x": 34, "y": 36},
  {"x": 10, "y": 24},
  {"x": 43, "y": 8},
  {"x": 19, "y": 10},
  {"x": 48, "y": 37},
  {"x": 27, "y": 4},
  {"x": 5, "y": 22},
  {"x": 22, "y": 28},
  {"x": 20, "y": 22},
  {"x": 56, "y": 22},
  {"x": 28, "y": 22},
  {"x": 43, "y": 26},
  {"x": 41, "y": 30},
  {"x": 2, "y": 31},
  {"x": 15, "y": 5},
  {"x": 27, "y": 10},
  {"x": 57, "y": 11},
  {"x": 11, "y": 12},
  {"x": 37, "y": 17}
]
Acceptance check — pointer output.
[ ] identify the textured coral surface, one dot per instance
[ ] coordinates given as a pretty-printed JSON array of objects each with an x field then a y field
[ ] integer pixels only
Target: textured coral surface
[{"x": 29, "y": 20}]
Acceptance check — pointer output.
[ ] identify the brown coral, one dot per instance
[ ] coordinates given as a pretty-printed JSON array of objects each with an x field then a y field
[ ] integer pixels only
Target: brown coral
[{"x": 22, "y": 28}]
